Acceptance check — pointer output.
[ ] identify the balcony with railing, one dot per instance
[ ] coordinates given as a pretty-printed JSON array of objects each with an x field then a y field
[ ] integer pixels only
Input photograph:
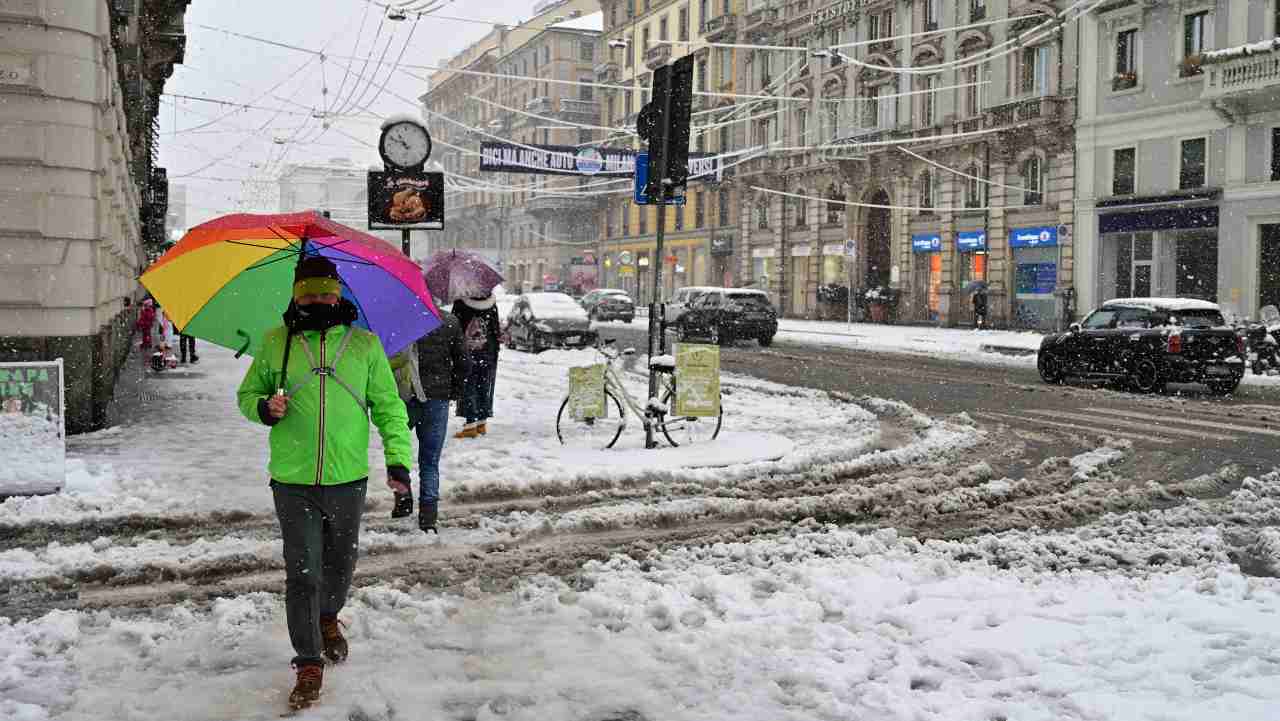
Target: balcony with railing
[
  {"x": 657, "y": 56},
  {"x": 1247, "y": 77},
  {"x": 760, "y": 21},
  {"x": 720, "y": 28},
  {"x": 608, "y": 72},
  {"x": 550, "y": 206},
  {"x": 538, "y": 105},
  {"x": 586, "y": 109}
]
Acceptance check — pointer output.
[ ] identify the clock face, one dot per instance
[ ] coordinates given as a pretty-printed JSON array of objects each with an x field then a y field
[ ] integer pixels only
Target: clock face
[{"x": 405, "y": 145}]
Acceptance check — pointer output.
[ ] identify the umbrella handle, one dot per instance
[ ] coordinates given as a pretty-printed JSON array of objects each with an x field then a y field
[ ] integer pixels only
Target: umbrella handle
[
  {"x": 247, "y": 340},
  {"x": 284, "y": 366}
]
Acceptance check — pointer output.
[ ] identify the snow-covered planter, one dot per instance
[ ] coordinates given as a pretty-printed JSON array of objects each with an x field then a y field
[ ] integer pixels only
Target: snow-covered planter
[
  {"x": 1124, "y": 81},
  {"x": 1191, "y": 66},
  {"x": 881, "y": 303}
]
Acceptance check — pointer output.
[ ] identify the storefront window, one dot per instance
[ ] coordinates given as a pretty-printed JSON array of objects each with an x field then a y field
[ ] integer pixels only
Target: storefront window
[{"x": 833, "y": 270}]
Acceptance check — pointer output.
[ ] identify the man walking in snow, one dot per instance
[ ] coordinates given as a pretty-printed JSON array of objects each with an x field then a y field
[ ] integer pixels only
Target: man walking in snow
[
  {"x": 316, "y": 381},
  {"x": 429, "y": 374}
]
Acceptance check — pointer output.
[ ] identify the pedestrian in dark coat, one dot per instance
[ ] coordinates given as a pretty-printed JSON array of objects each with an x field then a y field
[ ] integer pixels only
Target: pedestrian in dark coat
[
  {"x": 429, "y": 374},
  {"x": 980, "y": 308},
  {"x": 478, "y": 318}
]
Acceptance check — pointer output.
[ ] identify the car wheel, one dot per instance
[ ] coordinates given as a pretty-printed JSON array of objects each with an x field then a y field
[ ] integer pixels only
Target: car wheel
[
  {"x": 1144, "y": 376},
  {"x": 1050, "y": 368},
  {"x": 1223, "y": 388}
]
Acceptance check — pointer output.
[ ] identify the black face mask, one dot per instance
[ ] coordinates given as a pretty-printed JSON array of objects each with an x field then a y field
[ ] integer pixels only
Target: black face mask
[{"x": 319, "y": 316}]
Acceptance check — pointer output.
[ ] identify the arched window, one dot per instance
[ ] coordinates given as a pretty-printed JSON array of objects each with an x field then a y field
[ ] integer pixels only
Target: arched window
[
  {"x": 762, "y": 214},
  {"x": 1032, "y": 181},
  {"x": 926, "y": 189},
  {"x": 972, "y": 191},
  {"x": 835, "y": 211}
]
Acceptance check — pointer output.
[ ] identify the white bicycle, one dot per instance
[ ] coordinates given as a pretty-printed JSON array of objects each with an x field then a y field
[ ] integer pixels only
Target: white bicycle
[{"x": 604, "y": 432}]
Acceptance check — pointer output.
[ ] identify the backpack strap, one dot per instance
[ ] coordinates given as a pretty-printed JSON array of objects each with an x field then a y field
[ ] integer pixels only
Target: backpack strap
[{"x": 330, "y": 371}]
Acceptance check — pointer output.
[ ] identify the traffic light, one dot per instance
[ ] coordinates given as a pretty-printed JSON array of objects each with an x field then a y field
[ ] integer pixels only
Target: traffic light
[{"x": 666, "y": 127}]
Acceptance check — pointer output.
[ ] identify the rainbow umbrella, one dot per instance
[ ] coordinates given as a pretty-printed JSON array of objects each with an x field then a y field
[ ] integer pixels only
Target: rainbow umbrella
[{"x": 230, "y": 279}]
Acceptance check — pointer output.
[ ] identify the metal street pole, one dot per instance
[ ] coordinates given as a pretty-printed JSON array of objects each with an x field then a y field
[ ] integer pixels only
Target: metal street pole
[
  {"x": 657, "y": 324},
  {"x": 404, "y": 242}
]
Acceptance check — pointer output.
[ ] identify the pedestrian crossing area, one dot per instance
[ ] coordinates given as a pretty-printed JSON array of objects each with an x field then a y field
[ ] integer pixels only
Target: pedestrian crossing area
[{"x": 1207, "y": 423}]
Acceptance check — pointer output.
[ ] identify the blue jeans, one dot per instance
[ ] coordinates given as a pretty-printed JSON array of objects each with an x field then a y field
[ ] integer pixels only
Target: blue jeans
[
  {"x": 430, "y": 420},
  {"x": 477, "y": 390}
]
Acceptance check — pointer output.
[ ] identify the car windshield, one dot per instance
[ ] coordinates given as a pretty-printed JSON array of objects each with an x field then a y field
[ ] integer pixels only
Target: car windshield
[
  {"x": 754, "y": 301},
  {"x": 1101, "y": 318},
  {"x": 1200, "y": 318},
  {"x": 555, "y": 305}
]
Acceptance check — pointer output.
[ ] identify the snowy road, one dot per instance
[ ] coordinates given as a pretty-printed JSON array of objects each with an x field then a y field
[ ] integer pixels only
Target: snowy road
[
  {"x": 1183, "y": 433},
  {"x": 904, "y": 560}
]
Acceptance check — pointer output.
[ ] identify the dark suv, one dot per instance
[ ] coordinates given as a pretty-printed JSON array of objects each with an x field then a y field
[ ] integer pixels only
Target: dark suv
[
  {"x": 723, "y": 315},
  {"x": 609, "y": 304}
]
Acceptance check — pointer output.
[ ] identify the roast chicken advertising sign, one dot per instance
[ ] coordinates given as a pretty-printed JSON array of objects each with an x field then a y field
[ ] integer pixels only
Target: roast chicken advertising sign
[{"x": 400, "y": 200}]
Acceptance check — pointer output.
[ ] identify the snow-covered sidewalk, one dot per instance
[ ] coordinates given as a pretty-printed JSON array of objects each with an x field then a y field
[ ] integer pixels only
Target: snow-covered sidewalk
[
  {"x": 192, "y": 452},
  {"x": 1138, "y": 616}
]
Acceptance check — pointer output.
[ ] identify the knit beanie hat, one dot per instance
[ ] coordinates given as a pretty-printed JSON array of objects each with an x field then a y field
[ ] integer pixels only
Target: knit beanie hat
[{"x": 316, "y": 275}]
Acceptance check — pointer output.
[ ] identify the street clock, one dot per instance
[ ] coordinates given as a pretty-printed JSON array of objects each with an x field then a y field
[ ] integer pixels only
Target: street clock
[{"x": 404, "y": 145}]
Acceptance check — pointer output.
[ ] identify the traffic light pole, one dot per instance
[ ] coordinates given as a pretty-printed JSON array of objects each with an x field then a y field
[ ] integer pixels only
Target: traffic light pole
[{"x": 657, "y": 321}]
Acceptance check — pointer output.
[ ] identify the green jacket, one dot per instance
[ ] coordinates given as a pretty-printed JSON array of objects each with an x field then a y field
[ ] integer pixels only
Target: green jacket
[{"x": 324, "y": 437}]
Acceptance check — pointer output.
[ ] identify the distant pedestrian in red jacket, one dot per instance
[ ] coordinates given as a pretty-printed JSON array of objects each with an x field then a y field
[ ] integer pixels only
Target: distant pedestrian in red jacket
[{"x": 146, "y": 321}]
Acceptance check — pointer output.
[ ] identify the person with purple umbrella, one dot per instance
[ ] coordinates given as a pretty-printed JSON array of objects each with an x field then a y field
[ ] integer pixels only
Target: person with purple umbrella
[{"x": 478, "y": 318}]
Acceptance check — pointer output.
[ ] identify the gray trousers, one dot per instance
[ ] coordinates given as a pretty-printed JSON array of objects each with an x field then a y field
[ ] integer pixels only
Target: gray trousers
[{"x": 320, "y": 527}]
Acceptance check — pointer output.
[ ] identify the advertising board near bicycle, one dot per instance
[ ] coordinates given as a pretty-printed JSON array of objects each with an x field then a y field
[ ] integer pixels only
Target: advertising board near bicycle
[
  {"x": 697, "y": 380},
  {"x": 586, "y": 392},
  {"x": 32, "y": 428}
]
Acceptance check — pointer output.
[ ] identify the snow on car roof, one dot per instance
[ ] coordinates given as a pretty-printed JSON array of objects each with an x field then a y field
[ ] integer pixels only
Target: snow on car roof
[{"x": 1165, "y": 303}]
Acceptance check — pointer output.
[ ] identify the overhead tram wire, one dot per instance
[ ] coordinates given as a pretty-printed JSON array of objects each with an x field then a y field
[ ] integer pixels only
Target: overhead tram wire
[
  {"x": 853, "y": 204},
  {"x": 940, "y": 166},
  {"x": 346, "y": 73}
]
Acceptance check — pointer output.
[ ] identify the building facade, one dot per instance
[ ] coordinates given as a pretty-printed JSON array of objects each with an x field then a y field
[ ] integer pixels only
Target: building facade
[
  {"x": 81, "y": 204},
  {"x": 641, "y": 35},
  {"x": 1179, "y": 148},
  {"x": 936, "y": 178},
  {"x": 540, "y": 229}
]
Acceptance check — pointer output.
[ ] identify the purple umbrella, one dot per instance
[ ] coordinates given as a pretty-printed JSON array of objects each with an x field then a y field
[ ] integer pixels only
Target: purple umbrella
[{"x": 454, "y": 274}]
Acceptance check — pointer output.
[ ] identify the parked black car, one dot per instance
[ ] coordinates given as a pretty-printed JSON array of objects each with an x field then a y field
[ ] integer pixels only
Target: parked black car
[
  {"x": 1145, "y": 343},
  {"x": 609, "y": 304},
  {"x": 539, "y": 321},
  {"x": 723, "y": 315}
]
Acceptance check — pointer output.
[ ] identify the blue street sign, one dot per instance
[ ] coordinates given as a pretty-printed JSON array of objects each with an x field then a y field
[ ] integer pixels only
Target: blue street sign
[
  {"x": 1045, "y": 236},
  {"x": 642, "y": 179},
  {"x": 968, "y": 241},
  {"x": 926, "y": 243}
]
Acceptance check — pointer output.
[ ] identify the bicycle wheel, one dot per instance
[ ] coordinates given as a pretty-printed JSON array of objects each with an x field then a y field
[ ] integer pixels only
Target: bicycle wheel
[
  {"x": 685, "y": 430},
  {"x": 595, "y": 433}
]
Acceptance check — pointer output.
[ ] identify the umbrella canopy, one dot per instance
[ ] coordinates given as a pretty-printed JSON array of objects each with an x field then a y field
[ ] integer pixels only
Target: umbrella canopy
[
  {"x": 975, "y": 285},
  {"x": 454, "y": 274},
  {"x": 230, "y": 279}
]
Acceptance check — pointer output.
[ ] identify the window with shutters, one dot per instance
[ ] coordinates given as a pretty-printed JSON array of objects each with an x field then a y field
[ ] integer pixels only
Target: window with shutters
[
  {"x": 926, "y": 190},
  {"x": 1124, "y": 168},
  {"x": 724, "y": 207},
  {"x": 684, "y": 23},
  {"x": 1191, "y": 168},
  {"x": 1032, "y": 181},
  {"x": 972, "y": 187}
]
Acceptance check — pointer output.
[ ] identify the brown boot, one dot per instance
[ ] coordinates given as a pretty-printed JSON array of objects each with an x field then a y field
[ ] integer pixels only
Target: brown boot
[
  {"x": 470, "y": 431},
  {"x": 335, "y": 645},
  {"x": 307, "y": 690},
  {"x": 482, "y": 429}
]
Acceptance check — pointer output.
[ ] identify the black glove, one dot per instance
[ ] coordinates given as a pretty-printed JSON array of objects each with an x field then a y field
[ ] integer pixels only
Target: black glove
[
  {"x": 264, "y": 413},
  {"x": 399, "y": 473}
]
